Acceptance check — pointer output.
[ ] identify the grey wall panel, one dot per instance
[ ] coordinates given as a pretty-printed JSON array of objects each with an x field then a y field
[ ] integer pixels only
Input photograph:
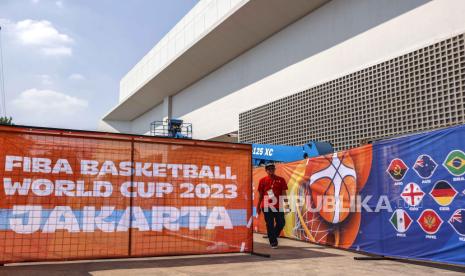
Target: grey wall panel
[{"x": 421, "y": 90}]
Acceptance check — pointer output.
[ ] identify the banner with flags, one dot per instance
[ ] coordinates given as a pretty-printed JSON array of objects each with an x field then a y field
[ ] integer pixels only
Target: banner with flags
[{"x": 402, "y": 197}]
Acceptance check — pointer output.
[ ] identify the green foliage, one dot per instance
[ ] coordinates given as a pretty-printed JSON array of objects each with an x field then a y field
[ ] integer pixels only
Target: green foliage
[{"x": 6, "y": 121}]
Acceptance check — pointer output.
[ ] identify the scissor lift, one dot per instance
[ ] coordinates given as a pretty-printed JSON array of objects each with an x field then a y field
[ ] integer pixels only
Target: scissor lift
[{"x": 174, "y": 128}]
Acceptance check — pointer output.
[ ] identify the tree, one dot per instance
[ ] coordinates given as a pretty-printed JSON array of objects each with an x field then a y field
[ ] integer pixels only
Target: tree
[{"x": 4, "y": 120}]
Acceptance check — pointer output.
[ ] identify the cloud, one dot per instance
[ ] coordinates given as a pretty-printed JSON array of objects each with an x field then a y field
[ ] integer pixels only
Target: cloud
[
  {"x": 57, "y": 51},
  {"x": 59, "y": 4},
  {"x": 76, "y": 77},
  {"x": 45, "y": 79},
  {"x": 46, "y": 108},
  {"x": 5, "y": 23},
  {"x": 41, "y": 34}
]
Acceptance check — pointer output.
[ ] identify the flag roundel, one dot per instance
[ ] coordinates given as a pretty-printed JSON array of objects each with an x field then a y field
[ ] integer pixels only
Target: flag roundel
[
  {"x": 401, "y": 220},
  {"x": 412, "y": 194},
  {"x": 443, "y": 193},
  {"x": 430, "y": 221},
  {"x": 455, "y": 162},
  {"x": 397, "y": 169},
  {"x": 425, "y": 166},
  {"x": 457, "y": 221}
]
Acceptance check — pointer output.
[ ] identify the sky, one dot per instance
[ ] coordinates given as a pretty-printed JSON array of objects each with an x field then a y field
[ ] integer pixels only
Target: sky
[{"x": 64, "y": 59}]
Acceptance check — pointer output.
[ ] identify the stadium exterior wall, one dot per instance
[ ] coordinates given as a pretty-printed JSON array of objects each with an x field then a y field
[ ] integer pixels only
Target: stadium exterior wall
[{"x": 340, "y": 37}]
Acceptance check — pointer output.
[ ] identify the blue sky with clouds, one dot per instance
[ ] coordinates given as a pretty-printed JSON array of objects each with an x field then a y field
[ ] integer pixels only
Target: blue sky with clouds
[{"x": 64, "y": 58}]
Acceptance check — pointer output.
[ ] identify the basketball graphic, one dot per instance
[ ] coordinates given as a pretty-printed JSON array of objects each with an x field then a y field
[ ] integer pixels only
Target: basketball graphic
[
  {"x": 343, "y": 174},
  {"x": 309, "y": 225},
  {"x": 334, "y": 186}
]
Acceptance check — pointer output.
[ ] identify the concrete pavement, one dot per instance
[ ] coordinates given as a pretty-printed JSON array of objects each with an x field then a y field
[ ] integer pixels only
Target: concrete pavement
[{"x": 292, "y": 258}]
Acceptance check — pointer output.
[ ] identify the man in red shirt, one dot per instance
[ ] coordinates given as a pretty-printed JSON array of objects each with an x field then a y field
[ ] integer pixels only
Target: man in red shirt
[{"x": 270, "y": 189}]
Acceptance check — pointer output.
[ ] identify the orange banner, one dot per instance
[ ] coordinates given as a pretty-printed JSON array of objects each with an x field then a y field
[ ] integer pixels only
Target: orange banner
[
  {"x": 86, "y": 195},
  {"x": 325, "y": 225}
]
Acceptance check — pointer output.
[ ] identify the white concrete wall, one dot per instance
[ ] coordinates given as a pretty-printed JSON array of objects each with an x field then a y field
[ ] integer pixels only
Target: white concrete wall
[
  {"x": 115, "y": 126},
  {"x": 139, "y": 126},
  {"x": 341, "y": 37},
  {"x": 198, "y": 22},
  {"x": 142, "y": 124}
]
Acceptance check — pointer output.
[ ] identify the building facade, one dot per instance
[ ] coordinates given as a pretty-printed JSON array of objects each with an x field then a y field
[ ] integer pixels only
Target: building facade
[{"x": 285, "y": 72}]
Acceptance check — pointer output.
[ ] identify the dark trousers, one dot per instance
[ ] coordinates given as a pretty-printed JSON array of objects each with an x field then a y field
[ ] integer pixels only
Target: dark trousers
[{"x": 274, "y": 225}]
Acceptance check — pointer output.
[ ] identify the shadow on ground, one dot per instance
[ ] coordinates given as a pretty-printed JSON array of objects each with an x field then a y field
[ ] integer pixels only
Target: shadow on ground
[
  {"x": 84, "y": 268},
  {"x": 300, "y": 251}
]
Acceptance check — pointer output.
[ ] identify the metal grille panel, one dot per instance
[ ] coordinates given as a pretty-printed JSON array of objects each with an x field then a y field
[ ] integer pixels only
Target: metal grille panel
[{"x": 418, "y": 91}]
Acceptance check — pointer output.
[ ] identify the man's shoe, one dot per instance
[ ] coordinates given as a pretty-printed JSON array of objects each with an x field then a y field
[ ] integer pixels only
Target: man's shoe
[{"x": 274, "y": 246}]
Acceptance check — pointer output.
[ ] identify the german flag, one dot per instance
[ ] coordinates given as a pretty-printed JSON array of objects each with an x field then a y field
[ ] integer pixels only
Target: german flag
[{"x": 443, "y": 193}]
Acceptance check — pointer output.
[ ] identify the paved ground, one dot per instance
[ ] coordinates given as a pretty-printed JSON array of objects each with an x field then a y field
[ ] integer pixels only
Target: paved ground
[{"x": 292, "y": 258}]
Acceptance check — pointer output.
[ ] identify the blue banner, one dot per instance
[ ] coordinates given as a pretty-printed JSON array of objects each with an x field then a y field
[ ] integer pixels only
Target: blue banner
[
  {"x": 423, "y": 177},
  {"x": 402, "y": 197}
]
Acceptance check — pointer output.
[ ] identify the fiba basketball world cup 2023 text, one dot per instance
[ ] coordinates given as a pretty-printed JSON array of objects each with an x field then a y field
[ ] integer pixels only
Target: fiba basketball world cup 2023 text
[{"x": 191, "y": 179}]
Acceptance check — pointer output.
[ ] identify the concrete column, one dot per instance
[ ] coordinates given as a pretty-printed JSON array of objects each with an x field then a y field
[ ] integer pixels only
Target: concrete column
[{"x": 167, "y": 108}]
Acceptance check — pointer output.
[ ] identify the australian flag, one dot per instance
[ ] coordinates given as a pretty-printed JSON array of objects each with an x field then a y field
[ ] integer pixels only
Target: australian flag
[
  {"x": 425, "y": 166},
  {"x": 457, "y": 221}
]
